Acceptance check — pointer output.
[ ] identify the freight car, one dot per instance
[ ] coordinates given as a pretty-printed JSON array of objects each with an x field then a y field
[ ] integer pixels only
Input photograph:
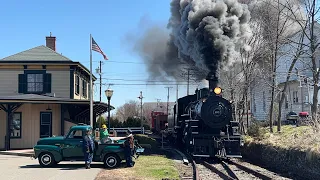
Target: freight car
[
  {"x": 154, "y": 115},
  {"x": 203, "y": 123}
]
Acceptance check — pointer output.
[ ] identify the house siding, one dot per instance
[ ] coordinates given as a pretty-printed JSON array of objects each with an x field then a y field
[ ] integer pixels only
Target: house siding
[
  {"x": 30, "y": 130},
  {"x": 285, "y": 57},
  {"x": 260, "y": 98},
  {"x": 9, "y": 81},
  {"x": 297, "y": 107},
  {"x": 60, "y": 82}
]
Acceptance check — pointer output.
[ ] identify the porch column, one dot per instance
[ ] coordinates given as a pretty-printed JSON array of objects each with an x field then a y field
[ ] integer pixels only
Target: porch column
[
  {"x": 9, "y": 120},
  {"x": 62, "y": 107}
]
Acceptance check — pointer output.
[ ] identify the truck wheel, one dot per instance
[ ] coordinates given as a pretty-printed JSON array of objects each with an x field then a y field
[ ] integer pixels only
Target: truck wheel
[
  {"x": 46, "y": 159},
  {"x": 111, "y": 161}
]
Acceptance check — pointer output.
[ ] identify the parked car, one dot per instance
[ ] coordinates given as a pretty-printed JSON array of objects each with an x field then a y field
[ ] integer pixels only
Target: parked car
[{"x": 53, "y": 150}]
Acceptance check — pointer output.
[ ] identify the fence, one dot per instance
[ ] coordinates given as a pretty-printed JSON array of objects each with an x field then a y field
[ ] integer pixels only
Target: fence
[{"x": 135, "y": 130}]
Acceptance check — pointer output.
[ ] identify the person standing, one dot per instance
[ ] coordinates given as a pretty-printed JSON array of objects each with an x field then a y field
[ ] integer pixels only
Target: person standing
[
  {"x": 88, "y": 147},
  {"x": 128, "y": 149},
  {"x": 104, "y": 134}
]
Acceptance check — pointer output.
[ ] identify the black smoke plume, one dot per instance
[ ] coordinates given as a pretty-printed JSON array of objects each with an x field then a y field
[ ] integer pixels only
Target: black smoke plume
[{"x": 204, "y": 34}]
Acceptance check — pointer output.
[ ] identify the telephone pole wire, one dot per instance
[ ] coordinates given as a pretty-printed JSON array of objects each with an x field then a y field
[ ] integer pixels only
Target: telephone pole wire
[
  {"x": 99, "y": 71},
  {"x": 168, "y": 99},
  {"x": 158, "y": 101},
  {"x": 100, "y": 68},
  {"x": 141, "y": 97},
  {"x": 188, "y": 81}
]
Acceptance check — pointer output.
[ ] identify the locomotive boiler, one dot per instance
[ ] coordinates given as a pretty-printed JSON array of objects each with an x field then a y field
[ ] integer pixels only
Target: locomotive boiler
[{"x": 204, "y": 125}]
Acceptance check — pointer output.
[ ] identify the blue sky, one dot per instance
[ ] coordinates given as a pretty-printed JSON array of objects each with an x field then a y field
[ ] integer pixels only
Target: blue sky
[{"x": 24, "y": 25}]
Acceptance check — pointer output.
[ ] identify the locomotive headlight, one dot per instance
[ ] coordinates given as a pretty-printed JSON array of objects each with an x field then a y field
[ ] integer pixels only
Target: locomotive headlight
[{"x": 217, "y": 90}]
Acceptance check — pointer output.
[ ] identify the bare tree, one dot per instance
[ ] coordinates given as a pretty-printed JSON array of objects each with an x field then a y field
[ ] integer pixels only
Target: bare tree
[
  {"x": 296, "y": 56},
  {"x": 310, "y": 27},
  {"x": 129, "y": 109},
  {"x": 274, "y": 25},
  {"x": 147, "y": 113}
]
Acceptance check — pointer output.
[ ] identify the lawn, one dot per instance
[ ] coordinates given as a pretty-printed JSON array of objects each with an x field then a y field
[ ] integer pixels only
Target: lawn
[
  {"x": 303, "y": 138},
  {"x": 151, "y": 167}
]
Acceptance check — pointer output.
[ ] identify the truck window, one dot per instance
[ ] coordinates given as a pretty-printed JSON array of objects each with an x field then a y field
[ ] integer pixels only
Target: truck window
[{"x": 75, "y": 134}]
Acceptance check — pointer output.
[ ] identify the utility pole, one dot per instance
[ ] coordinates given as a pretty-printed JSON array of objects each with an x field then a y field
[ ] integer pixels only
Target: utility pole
[
  {"x": 188, "y": 81},
  {"x": 177, "y": 93},
  {"x": 158, "y": 101},
  {"x": 141, "y": 97},
  {"x": 168, "y": 99},
  {"x": 100, "y": 79},
  {"x": 300, "y": 86},
  {"x": 99, "y": 71},
  {"x": 176, "y": 109}
]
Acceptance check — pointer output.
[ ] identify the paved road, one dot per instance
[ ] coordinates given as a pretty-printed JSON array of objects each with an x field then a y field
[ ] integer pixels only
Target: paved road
[{"x": 23, "y": 168}]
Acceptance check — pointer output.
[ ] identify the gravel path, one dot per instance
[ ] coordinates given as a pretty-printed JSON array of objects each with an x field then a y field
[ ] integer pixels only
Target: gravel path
[{"x": 224, "y": 170}]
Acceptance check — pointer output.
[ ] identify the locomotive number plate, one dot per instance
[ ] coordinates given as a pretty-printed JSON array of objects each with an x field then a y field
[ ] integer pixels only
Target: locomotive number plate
[{"x": 217, "y": 112}]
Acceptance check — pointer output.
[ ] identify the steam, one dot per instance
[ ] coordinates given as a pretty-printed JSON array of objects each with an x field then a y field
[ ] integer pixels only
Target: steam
[
  {"x": 204, "y": 34},
  {"x": 204, "y": 84},
  {"x": 210, "y": 32}
]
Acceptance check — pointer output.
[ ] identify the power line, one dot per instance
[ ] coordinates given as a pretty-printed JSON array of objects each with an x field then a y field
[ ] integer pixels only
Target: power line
[
  {"x": 132, "y": 62},
  {"x": 145, "y": 84},
  {"x": 120, "y": 79}
]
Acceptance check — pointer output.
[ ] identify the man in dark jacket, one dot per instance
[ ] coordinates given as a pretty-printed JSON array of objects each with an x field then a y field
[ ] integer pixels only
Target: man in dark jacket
[
  {"x": 88, "y": 147},
  {"x": 128, "y": 148}
]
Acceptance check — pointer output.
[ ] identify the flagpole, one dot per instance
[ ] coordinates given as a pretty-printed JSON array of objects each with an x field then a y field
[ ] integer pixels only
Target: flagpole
[{"x": 91, "y": 88}]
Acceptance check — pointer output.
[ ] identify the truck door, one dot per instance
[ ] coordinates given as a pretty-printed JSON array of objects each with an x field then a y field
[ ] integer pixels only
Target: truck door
[{"x": 72, "y": 148}]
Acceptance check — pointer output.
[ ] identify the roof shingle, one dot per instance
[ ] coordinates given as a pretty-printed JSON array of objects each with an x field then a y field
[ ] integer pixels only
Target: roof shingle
[{"x": 39, "y": 53}]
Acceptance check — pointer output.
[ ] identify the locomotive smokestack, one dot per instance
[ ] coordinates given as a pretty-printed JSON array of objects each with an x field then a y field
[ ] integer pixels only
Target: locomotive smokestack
[{"x": 213, "y": 80}]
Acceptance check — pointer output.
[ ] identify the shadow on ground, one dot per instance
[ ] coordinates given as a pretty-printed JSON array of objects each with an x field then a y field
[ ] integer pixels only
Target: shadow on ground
[
  {"x": 71, "y": 166},
  {"x": 168, "y": 153}
]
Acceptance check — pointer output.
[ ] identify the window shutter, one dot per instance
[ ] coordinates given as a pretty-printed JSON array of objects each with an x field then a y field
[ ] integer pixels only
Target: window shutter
[
  {"x": 47, "y": 83},
  {"x": 22, "y": 83}
]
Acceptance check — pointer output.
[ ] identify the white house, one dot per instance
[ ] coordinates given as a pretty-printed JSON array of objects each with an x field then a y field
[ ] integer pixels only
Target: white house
[{"x": 299, "y": 92}]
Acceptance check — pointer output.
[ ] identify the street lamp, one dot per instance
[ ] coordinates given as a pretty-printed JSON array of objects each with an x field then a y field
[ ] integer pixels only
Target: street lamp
[{"x": 109, "y": 93}]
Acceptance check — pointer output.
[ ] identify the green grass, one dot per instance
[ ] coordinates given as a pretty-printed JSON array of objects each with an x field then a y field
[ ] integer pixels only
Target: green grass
[
  {"x": 302, "y": 138},
  {"x": 155, "y": 167}
]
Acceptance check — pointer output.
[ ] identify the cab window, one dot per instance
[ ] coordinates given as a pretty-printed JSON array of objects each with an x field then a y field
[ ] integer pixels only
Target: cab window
[{"x": 76, "y": 134}]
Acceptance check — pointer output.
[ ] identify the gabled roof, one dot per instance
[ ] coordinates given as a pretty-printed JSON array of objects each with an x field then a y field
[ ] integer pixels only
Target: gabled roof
[
  {"x": 43, "y": 55},
  {"x": 39, "y": 53}
]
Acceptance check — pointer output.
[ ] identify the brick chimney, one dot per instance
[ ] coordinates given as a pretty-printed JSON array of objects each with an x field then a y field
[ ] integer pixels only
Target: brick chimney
[{"x": 51, "y": 42}]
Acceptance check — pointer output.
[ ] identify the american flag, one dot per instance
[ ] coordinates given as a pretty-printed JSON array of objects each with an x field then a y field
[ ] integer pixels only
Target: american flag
[{"x": 96, "y": 48}]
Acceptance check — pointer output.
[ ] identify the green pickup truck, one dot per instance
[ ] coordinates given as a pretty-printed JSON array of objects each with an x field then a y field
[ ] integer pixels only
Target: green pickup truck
[{"x": 53, "y": 150}]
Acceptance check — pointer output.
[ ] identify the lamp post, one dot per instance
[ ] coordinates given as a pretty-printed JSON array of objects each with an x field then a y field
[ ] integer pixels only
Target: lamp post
[{"x": 109, "y": 93}]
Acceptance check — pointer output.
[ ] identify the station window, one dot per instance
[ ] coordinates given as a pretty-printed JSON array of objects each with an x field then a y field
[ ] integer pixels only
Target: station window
[{"x": 15, "y": 128}]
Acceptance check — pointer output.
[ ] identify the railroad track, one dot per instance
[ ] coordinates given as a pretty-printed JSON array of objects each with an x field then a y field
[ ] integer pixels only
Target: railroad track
[
  {"x": 227, "y": 169},
  {"x": 195, "y": 171}
]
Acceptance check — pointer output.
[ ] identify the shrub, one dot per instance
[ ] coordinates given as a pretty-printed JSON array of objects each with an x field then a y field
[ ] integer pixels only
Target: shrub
[
  {"x": 256, "y": 130},
  {"x": 144, "y": 139}
]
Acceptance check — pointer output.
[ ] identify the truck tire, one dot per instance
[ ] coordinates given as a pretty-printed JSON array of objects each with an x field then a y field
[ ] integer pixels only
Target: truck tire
[
  {"x": 46, "y": 159},
  {"x": 111, "y": 161}
]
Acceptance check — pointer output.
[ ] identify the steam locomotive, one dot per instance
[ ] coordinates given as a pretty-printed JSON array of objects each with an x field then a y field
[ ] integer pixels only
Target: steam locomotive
[{"x": 203, "y": 124}]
